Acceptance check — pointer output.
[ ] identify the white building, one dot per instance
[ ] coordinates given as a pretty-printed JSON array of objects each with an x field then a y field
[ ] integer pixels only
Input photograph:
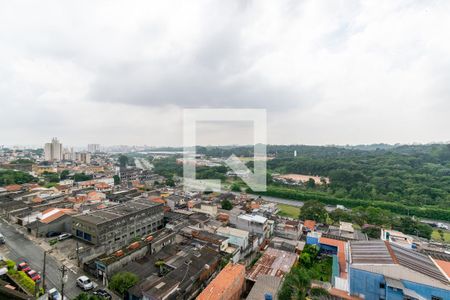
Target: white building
[
  {"x": 93, "y": 148},
  {"x": 53, "y": 151},
  {"x": 236, "y": 236}
]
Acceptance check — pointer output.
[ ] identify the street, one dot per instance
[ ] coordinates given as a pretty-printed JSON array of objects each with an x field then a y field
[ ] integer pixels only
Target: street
[{"x": 18, "y": 248}]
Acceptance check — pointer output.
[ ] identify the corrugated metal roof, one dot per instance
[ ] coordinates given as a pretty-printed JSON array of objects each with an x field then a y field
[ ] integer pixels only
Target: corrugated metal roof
[
  {"x": 370, "y": 252},
  {"x": 419, "y": 262}
]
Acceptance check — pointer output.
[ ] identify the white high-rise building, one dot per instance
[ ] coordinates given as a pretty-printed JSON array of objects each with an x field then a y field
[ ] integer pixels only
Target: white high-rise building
[
  {"x": 93, "y": 148},
  {"x": 53, "y": 151}
]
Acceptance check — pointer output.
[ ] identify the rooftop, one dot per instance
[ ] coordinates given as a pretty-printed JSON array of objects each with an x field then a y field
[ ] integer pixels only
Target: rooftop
[
  {"x": 223, "y": 282},
  {"x": 233, "y": 231},
  {"x": 265, "y": 284},
  {"x": 274, "y": 262},
  {"x": 253, "y": 218},
  {"x": 397, "y": 262},
  {"x": 370, "y": 252},
  {"x": 310, "y": 224},
  {"x": 116, "y": 212}
]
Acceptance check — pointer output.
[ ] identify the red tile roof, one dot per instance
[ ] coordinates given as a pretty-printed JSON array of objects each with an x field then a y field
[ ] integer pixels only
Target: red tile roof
[
  {"x": 444, "y": 265},
  {"x": 227, "y": 284},
  {"x": 13, "y": 188},
  {"x": 310, "y": 224}
]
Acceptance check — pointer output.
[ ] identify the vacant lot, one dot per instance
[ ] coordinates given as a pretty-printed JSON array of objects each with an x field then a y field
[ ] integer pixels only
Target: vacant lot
[{"x": 288, "y": 211}]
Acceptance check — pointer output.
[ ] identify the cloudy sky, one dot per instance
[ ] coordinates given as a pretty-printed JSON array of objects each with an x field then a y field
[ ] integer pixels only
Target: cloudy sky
[{"x": 327, "y": 72}]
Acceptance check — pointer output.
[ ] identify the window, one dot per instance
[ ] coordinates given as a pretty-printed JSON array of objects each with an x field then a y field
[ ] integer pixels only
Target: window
[
  {"x": 436, "y": 298},
  {"x": 382, "y": 285}
]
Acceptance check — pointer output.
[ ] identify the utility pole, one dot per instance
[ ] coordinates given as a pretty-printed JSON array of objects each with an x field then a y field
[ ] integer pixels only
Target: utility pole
[
  {"x": 43, "y": 272},
  {"x": 63, "y": 279},
  {"x": 78, "y": 254}
]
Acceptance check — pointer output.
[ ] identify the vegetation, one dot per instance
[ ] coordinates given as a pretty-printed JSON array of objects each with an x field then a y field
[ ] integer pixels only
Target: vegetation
[
  {"x": 441, "y": 236},
  {"x": 81, "y": 177},
  {"x": 51, "y": 177},
  {"x": 313, "y": 210},
  {"x": 226, "y": 204},
  {"x": 64, "y": 174},
  {"x": 22, "y": 161},
  {"x": 431, "y": 212},
  {"x": 288, "y": 211},
  {"x": 122, "y": 281},
  {"x": 21, "y": 278},
  {"x": 123, "y": 161},
  {"x": 297, "y": 283},
  {"x": 86, "y": 296},
  {"x": 8, "y": 177},
  {"x": 116, "y": 179}
]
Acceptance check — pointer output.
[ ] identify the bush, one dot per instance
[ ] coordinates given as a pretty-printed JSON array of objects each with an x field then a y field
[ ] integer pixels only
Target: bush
[
  {"x": 10, "y": 264},
  {"x": 23, "y": 280},
  {"x": 122, "y": 281}
]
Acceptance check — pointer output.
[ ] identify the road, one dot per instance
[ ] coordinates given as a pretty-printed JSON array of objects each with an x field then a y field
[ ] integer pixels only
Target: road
[
  {"x": 276, "y": 199},
  {"x": 18, "y": 248}
]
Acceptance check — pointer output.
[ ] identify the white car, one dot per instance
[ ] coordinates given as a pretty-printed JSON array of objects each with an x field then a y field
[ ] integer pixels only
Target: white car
[
  {"x": 63, "y": 236},
  {"x": 85, "y": 283},
  {"x": 53, "y": 294}
]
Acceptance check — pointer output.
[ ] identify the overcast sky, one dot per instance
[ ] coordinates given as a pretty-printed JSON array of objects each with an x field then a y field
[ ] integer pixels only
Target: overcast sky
[{"x": 328, "y": 72}]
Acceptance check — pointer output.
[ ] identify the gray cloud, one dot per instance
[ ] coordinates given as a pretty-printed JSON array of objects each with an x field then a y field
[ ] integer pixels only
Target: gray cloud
[{"x": 327, "y": 72}]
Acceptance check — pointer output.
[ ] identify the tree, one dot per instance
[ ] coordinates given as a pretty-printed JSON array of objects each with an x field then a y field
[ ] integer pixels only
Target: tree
[
  {"x": 82, "y": 177},
  {"x": 313, "y": 210},
  {"x": 295, "y": 285},
  {"x": 170, "y": 182},
  {"x": 86, "y": 296},
  {"x": 338, "y": 215},
  {"x": 122, "y": 281},
  {"x": 226, "y": 204},
  {"x": 372, "y": 231},
  {"x": 51, "y": 177},
  {"x": 116, "y": 179},
  {"x": 123, "y": 161},
  {"x": 235, "y": 187},
  {"x": 64, "y": 174},
  {"x": 310, "y": 183}
]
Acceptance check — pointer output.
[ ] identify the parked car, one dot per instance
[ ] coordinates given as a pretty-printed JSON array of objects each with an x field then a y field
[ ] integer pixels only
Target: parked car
[
  {"x": 85, "y": 283},
  {"x": 53, "y": 294},
  {"x": 23, "y": 266},
  {"x": 64, "y": 236},
  {"x": 52, "y": 233},
  {"x": 34, "y": 275},
  {"x": 2, "y": 239},
  {"x": 103, "y": 294}
]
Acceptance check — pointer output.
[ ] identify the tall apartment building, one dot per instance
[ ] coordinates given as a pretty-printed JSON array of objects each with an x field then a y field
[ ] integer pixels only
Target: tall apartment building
[
  {"x": 53, "y": 151},
  {"x": 93, "y": 148},
  {"x": 83, "y": 157},
  {"x": 117, "y": 225}
]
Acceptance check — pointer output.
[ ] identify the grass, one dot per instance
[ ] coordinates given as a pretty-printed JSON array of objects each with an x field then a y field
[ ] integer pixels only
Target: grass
[
  {"x": 436, "y": 236},
  {"x": 288, "y": 211}
]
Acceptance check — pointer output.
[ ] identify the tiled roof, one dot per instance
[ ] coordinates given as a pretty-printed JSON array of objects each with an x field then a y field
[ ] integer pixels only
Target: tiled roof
[
  {"x": 310, "y": 224},
  {"x": 444, "y": 266},
  {"x": 229, "y": 278}
]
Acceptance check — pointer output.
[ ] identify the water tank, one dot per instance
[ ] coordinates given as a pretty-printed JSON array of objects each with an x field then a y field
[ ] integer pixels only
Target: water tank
[{"x": 268, "y": 296}]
